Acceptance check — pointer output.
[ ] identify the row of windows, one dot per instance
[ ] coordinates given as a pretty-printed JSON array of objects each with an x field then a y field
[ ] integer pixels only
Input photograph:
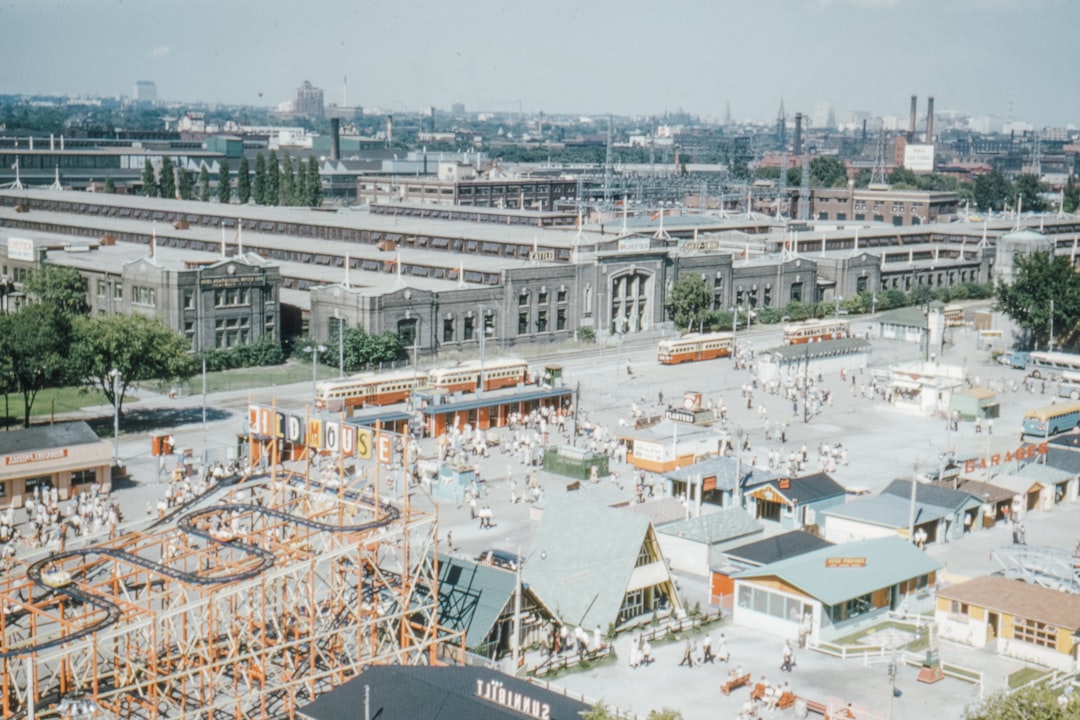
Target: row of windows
[
  {"x": 542, "y": 297},
  {"x": 768, "y": 602},
  {"x": 144, "y": 296}
]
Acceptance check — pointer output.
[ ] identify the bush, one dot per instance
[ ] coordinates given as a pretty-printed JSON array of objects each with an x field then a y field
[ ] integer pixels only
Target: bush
[
  {"x": 260, "y": 353},
  {"x": 586, "y": 334}
]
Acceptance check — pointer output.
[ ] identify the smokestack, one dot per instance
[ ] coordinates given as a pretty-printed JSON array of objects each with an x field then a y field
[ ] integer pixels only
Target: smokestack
[
  {"x": 864, "y": 131},
  {"x": 797, "y": 145},
  {"x": 335, "y": 139},
  {"x": 389, "y": 130},
  {"x": 911, "y": 123},
  {"x": 930, "y": 120}
]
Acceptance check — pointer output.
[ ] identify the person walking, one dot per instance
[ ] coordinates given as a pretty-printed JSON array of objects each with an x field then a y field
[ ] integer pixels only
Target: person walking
[
  {"x": 687, "y": 656},
  {"x": 722, "y": 652},
  {"x": 789, "y": 658},
  {"x": 706, "y": 645}
]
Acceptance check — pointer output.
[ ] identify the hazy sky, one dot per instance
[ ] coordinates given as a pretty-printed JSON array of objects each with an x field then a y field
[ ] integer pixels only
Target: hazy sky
[{"x": 585, "y": 56}]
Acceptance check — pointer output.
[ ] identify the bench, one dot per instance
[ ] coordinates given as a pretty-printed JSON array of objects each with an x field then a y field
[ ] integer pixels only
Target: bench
[
  {"x": 758, "y": 692},
  {"x": 821, "y": 709},
  {"x": 786, "y": 700},
  {"x": 738, "y": 682}
]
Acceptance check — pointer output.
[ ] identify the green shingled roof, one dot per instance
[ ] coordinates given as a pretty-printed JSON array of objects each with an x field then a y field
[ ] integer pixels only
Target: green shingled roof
[{"x": 889, "y": 560}]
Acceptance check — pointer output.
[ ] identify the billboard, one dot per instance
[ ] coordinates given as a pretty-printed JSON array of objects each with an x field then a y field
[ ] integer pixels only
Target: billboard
[
  {"x": 919, "y": 158},
  {"x": 20, "y": 249}
]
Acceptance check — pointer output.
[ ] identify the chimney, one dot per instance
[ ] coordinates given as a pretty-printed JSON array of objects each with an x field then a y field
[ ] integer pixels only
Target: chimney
[
  {"x": 389, "y": 130},
  {"x": 930, "y": 120},
  {"x": 864, "y": 131},
  {"x": 911, "y": 123},
  {"x": 335, "y": 139},
  {"x": 797, "y": 145}
]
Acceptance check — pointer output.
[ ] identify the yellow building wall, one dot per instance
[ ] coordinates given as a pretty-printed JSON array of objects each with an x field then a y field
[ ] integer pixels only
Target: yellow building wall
[
  {"x": 1064, "y": 641},
  {"x": 977, "y": 613}
]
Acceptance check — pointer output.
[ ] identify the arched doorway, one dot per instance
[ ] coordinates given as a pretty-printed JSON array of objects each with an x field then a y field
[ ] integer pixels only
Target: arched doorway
[{"x": 631, "y": 301}]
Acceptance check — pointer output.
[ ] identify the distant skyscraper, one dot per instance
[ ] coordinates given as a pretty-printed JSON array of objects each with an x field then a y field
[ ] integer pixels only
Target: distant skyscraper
[
  {"x": 145, "y": 91},
  {"x": 823, "y": 115},
  {"x": 309, "y": 101},
  {"x": 457, "y": 110},
  {"x": 781, "y": 125}
]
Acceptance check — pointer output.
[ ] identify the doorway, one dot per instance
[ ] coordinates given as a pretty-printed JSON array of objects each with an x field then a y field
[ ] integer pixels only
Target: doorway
[{"x": 992, "y": 627}]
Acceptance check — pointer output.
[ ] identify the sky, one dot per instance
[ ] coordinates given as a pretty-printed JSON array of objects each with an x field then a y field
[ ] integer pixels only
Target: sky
[{"x": 1007, "y": 58}]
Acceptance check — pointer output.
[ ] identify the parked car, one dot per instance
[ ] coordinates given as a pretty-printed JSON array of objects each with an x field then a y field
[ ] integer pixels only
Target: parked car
[
  {"x": 499, "y": 559},
  {"x": 1017, "y": 359}
]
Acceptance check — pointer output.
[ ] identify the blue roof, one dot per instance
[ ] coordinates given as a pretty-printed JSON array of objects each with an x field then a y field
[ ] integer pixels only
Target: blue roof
[
  {"x": 888, "y": 561},
  {"x": 889, "y": 511}
]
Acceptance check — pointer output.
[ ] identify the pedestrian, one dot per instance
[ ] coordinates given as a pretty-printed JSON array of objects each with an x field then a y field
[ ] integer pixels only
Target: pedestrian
[
  {"x": 629, "y": 371},
  {"x": 687, "y": 657},
  {"x": 660, "y": 397},
  {"x": 449, "y": 540},
  {"x": 990, "y": 426},
  {"x": 789, "y": 658},
  {"x": 706, "y": 645},
  {"x": 722, "y": 651}
]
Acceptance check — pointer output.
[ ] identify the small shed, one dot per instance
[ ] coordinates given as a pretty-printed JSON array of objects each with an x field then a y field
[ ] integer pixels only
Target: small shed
[
  {"x": 669, "y": 444},
  {"x": 794, "y": 502},
  {"x": 977, "y": 402},
  {"x": 755, "y": 554},
  {"x": 575, "y": 462},
  {"x": 453, "y": 480},
  {"x": 924, "y": 388},
  {"x": 826, "y": 357},
  {"x": 693, "y": 545},
  {"x": 907, "y": 324}
]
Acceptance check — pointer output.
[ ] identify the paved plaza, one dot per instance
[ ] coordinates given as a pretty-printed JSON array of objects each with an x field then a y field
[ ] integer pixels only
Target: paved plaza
[{"x": 882, "y": 445}]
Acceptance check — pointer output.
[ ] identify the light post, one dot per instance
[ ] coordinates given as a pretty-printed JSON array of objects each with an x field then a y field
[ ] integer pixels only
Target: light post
[
  {"x": 1051, "y": 325},
  {"x": 734, "y": 332},
  {"x": 838, "y": 299},
  {"x": 116, "y": 415},
  {"x": 340, "y": 343},
  {"x": 314, "y": 350}
]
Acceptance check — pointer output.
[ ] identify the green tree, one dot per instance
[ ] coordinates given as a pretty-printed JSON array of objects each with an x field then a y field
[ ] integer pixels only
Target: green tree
[
  {"x": 827, "y": 171},
  {"x": 61, "y": 287},
  {"x": 1034, "y": 702},
  {"x": 992, "y": 191},
  {"x": 1040, "y": 278},
  {"x": 363, "y": 351},
  {"x": 314, "y": 194},
  {"x": 224, "y": 185},
  {"x": 258, "y": 187},
  {"x": 139, "y": 347},
  {"x": 168, "y": 178},
  {"x": 300, "y": 189},
  {"x": 1071, "y": 195},
  {"x": 204, "y": 184},
  {"x": 243, "y": 181},
  {"x": 286, "y": 186},
  {"x": 273, "y": 177},
  {"x": 149, "y": 180},
  {"x": 35, "y": 344},
  {"x": 110, "y": 185},
  {"x": 690, "y": 301},
  {"x": 1030, "y": 190},
  {"x": 903, "y": 178},
  {"x": 187, "y": 189}
]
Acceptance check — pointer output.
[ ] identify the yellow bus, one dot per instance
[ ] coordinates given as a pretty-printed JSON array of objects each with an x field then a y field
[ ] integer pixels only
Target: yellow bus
[{"x": 1052, "y": 419}]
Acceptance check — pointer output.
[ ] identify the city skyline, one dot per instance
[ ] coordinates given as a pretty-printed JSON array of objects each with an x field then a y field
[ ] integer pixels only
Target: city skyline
[{"x": 979, "y": 57}]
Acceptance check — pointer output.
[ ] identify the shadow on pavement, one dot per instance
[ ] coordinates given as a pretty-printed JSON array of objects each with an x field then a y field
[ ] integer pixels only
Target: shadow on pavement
[{"x": 146, "y": 419}]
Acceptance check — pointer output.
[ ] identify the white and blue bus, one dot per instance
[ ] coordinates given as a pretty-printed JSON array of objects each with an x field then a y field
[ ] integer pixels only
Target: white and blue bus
[
  {"x": 1052, "y": 419},
  {"x": 1050, "y": 365}
]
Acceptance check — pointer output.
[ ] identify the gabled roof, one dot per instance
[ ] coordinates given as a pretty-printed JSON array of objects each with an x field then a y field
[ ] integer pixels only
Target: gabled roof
[
  {"x": 905, "y": 317},
  {"x": 1068, "y": 460},
  {"x": 809, "y": 488},
  {"x": 582, "y": 557},
  {"x": 723, "y": 468},
  {"x": 929, "y": 494},
  {"x": 778, "y": 547},
  {"x": 717, "y": 527},
  {"x": 1044, "y": 473},
  {"x": 45, "y": 437},
  {"x": 1015, "y": 597},
  {"x": 987, "y": 491},
  {"x": 660, "y": 511},
  {"x": 824, "y": 348},
  {"x": 886, "y": 510},
  {"x": 472, "y": 596},
  {"x": 401, "y": 692},
  {"x": 888, "y": 560}
]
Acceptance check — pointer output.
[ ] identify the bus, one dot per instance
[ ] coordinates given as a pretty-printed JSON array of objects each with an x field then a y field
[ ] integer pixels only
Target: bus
[
  {"x": 498, "y": 373},
  {"x": 954, "y": 316},
  {"x": 1052, "y": 419},
  {"x": 367, "y": 389},
  {"x": 1069, "y": 385},
  {"x": 1050, "y": 365},
  {"x": 816, "y": 331},
  {"x": 694, "y": 347}
]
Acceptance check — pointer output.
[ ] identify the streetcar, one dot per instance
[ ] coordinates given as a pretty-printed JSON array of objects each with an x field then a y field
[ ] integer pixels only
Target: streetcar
[
  {"x": 694, "y": 347},
  {"x": 498, "y": 373},
  {"x": 816, "y": 331},
  {"x": 367, "y": 389}
]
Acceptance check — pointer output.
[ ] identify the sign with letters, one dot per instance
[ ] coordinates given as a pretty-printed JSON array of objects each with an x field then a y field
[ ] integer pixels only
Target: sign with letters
[
  {"x": 845, "y": 562},
  {"x": 1024, "y": 452},
  {"x": 363, "y": 443},
  {"x": 385, "y": 445}
]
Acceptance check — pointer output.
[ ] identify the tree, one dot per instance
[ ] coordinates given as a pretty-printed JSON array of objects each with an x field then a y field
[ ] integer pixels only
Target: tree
[
  {"x": 110, "y": 185},
  {"x": 992, "y": 191},
  {"x": 243, "y": 181},
  {"x": 149, "y": 180},
  {"x": 168, "y": 178},
  {"x": 363, "y": 351},
  {"x": 690, "y": 301},
  {"x": 601, "y": 712},
  {"x": 827, "y": 172},
  {"x": 258, "y": 188},
  {"x": 286, "y": 187},
  {"x": 224, "y": 186},
  {"x": 61, "y": 287},
  {"x": 139, "y": 347},
  {"x": 35, "y": 344},
  {"x": 273, "y": 175},
  {"x": 300, "y": 186},
  {"x": 1033, "y": 702},
  {"x": 1029, "y": 190},
  {"x": 1071, "y": 195},
  {"x": 204, "y": 184},
  {"x": 187, "y": 189},
  {"x": 1040, "y": 278},
  {"x": 314, "y": 194}
]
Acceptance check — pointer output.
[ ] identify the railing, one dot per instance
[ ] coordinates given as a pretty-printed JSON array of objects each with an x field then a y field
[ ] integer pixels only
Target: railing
[
  {"x": 612, "y": 712},
  {"x": 671, "y": 625},
  {"x": 568, "y": 660}
]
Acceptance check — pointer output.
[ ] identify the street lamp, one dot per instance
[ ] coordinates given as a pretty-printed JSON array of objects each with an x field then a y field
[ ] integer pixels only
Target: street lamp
[
  {"x": 116, "y": 415},
  {"x": 838, "y": 299},
  {"x": 1051, "y": 348},
  {"x": 734, "y": 331},
  {"x": 314, "y": 350},
  {"x": 340, "y": 343}
]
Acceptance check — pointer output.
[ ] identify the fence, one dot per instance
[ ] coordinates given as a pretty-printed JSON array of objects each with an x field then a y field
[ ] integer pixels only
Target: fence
[{"x": 612, "y": 712}]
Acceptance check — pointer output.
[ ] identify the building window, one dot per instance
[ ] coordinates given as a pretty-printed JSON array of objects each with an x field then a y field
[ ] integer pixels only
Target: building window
[
  {"x": 232, "y": 297},
  {"x": 860, "y": 284},
  {"x": 768, "y": 602},
  {"x": 448, "y": 329},
  {"x": 560, "y": 319},
  {"x": 144, "y": 296},
  {"x": 523, "y": 323},
  {"x": 767, "y": 299},
  {"x": 633, "y": 605},
  {"x": 523, "y": 298},
  {"x": 101, "y": 288},
  {"x": 117, "y": 291},
  {"x": 406, "y": 330},
  {"x": 796, "y": 292},
  {"x": 541, "y": 320},
  {"x": 1034, "y": 632},
  {"x": 189, "y": 299},
  {"x": 542, "y": 297},
  {"x": 469, "y": 330},
  {"x": 84, "y": 477},
  {"x": 560, "y": 296},
  {"x": 644, "y": 557},
  {"x": 42, "y": 481}
]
